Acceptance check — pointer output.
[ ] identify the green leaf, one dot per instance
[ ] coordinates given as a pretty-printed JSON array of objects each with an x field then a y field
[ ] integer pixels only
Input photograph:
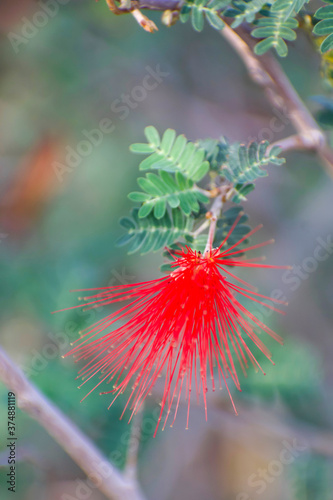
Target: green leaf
[
  {"x": 201, "y": 196},
  {"x": 141, "y": 148},
  {"x": 152, "y": 234},
  {"x": 197, "y": 18},
  {"x": 327, "y": 44},
  {"x": 138, "y": 196},
  {"x": 224, "y": 224},
  {"x": 178, "y": 147},
  {"x": 152, "y": 136},
  {"x": 166, "y": 268},
  {"x": 158, "y": 183},
  {"x": 288, "y": 6},
  {"x": 281, "y": 47},
  {"x": 275, "y": 27},
  {"x": 165, "y": 190},
  {"x": 242, "y": 11},
  {"x": 242, "y": 190},
  {"x": 168, "y": 181},
  {"x": 168, "y": 140},
  {"x": 146, "y": 209},
  {"x": 127, "y": 223},
  {"x": 174, "y": 154},
  {"x": 216, "y": 151},
  {"x": 160, "y": 208},
  {"x": 198, "y": 10},
  {"x": 323, "y": 13},
  {"x": 214, "y": 20},
  {"x": 149, "y": 187},
  {"x": 244, "y": 164},
  {"x": 324, "y": 27},
  {"x": 263, "y": 46}
]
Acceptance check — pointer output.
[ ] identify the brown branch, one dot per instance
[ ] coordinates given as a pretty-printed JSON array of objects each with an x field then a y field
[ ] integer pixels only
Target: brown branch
[
  {"x": 291, "y": 143},
  {"x": 266, "y": 72},
  {"x": 225, "y": 193},
  {"x": 214, "y": 214},
  {"x": 108, "y": 479}
]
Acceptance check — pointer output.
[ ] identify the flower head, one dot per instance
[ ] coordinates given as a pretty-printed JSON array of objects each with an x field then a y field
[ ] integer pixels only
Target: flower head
[{"x": 185, "y": 325}]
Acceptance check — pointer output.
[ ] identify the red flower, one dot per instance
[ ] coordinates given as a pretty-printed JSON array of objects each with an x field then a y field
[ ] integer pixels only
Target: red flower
[{"x": 184, "y": 324}]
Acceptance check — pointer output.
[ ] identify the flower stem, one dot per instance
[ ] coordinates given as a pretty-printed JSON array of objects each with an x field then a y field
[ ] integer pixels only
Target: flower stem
[{"x": 215, "y": 211}]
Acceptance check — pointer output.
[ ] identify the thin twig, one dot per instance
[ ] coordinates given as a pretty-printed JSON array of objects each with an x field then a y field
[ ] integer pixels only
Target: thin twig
[
  {"x": 215, "y": 211},
  {"x": 201, "y": 228},
  {"x": 267, "y": 73},
  {"x": 108, "y": 479},
  {"x": 291, "y": 143},
  {"x": 146, "y": 23}
]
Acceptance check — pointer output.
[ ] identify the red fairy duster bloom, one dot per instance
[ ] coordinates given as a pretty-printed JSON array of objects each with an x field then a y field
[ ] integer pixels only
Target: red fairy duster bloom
[{"x": 185, "y": 324}]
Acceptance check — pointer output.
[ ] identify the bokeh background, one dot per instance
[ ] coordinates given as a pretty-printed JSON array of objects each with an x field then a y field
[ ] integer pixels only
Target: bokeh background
[{"x": 58, "y": 232}]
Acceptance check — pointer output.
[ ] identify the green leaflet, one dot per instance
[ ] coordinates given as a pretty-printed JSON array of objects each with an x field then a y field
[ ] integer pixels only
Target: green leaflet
[
  {"x": 245, "y": 163},
  {"x": 242, "y": 190},
  {"x": 180, "y": 164},
  {"x": 165, "y": 190},
  {"x": 172, "y": 154},
  {"x": 288, "y": 6},
  {"x": 241, "y": 165},
  {"x": 224, "y": 225},
  {"x": 242, "y": 11},
  {"x": 216, "y": 151},
  {"x": 199, "y": 10},
  {"x": 275, "y": 28},
  {"x": 150, "y": 234}
]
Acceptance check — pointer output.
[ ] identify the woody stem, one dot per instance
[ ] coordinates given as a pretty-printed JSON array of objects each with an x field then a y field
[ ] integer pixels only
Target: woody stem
[
  {"x": 114, "y": 484},
  {"x": 215, "y": 210}
]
